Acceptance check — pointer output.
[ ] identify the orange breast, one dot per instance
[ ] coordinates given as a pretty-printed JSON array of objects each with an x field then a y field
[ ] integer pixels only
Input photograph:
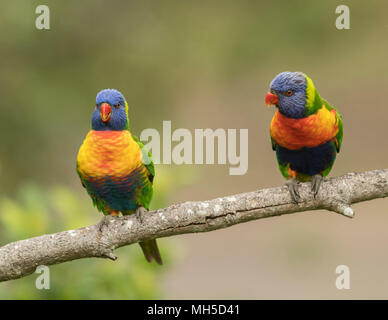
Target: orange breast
[
  {"x": 108, "y": 153},
  {"x": 309, "y": 132}
]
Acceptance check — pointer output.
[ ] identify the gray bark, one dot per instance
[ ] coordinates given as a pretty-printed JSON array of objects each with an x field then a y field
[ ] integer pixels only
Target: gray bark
[{"x": 20, "y": 258}]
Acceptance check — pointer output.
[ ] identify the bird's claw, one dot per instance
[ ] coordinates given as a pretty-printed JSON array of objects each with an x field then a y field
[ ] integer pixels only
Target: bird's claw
[
  {"x": 292, "y": 186},
  {"x": 105, "y": 221},
  {"x": 139, "y": 214},
  {"x": 316, "y": 181}
]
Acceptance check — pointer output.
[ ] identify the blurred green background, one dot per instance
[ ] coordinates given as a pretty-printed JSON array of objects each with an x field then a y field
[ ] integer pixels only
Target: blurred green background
[{"x": 202, "y": 64}]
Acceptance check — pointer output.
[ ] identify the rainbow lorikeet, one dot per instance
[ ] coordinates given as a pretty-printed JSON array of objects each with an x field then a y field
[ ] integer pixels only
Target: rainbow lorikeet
[
  {"x": 306, "y": 131},
  {"x": 111, "y": 167}
]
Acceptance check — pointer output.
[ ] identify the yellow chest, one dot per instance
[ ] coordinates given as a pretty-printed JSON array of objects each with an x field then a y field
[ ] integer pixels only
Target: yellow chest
[{"x": 108, "y": 153}]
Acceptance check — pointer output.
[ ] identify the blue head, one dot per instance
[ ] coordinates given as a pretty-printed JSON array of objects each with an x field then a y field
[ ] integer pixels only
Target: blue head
[
  {"x": 288, "y": 93},
  {"x": 110, "y": 112}
]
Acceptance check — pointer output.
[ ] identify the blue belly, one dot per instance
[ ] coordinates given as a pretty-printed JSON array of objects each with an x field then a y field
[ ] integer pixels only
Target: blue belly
[
  {"x": 117, "y": 193},
  {"x": 309, "y": 161}
]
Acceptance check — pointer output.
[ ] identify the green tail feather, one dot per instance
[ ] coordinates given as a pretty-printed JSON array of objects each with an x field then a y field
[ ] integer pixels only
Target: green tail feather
[{"x": 151, "y": 251}]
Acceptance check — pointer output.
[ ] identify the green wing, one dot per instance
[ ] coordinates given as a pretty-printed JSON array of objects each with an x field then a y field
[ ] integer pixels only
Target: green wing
[
  {"x": 273, "y": 143},
  {"x": 146, "y": 155},
  {"x": 340, "y": 125},
  {"x": 80, "y": 176},
  {"x": 145, "y": 196}
]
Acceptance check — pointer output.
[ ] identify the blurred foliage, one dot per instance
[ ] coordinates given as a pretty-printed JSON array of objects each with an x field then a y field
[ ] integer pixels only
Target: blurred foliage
[{"x": 35, "y": 212}]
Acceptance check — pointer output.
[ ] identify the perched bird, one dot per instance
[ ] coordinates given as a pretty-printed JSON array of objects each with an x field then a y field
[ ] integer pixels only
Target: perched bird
[
  {"x": 111, "y": 166},
  {"x": 306, "y": 131}
]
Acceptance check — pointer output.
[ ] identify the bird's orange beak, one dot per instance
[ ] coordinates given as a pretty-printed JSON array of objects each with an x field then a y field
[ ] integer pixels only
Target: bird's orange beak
[
  {"x": 271, "y": 98},
  {"x": 105, "y": 112}
]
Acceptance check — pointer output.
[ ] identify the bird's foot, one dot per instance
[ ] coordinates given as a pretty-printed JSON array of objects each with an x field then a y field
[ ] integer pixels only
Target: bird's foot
[
  {"x": 316, "y": 181},
  {"x": 292, "y": 186},
  {"x": 106, "y": 220},
  {"x": 140, "y": 214}
]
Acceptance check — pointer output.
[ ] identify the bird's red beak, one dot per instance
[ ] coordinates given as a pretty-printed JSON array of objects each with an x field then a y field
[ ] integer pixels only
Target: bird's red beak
[
  {"x": 105, "y": 112},
  {"x": 271, "y": 98}
]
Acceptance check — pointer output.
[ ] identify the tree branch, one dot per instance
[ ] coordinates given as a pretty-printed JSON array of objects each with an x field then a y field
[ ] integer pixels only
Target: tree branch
[{"x": 20, "y": 258}]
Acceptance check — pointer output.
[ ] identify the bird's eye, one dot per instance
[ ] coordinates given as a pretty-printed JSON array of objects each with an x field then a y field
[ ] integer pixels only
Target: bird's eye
[
  {"x": 289, "y": 92},
  {"x": 117, "y": 105}
]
